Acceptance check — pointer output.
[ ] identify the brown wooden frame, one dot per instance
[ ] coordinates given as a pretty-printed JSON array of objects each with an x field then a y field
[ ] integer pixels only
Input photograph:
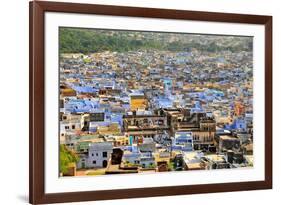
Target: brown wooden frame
[{"x": 36, "y": 101}]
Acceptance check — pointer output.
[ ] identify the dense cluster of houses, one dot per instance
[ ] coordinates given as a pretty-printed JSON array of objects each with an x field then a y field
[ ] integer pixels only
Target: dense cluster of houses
[{"x": 157, "y": 110}]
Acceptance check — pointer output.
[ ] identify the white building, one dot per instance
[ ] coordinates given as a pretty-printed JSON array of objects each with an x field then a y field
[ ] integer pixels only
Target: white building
[
  {"x": 131, "y": 157},
  {"x": 183, "y": 141},
  {"x": 147, "y": 160},
  {"x": 69, "y": 127},
  {"x": 99, "y": 154}
]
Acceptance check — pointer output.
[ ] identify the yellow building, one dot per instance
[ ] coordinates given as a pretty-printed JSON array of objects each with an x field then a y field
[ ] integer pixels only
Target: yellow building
[
  {"x": 121, "y": 140},
  {"x": 138, "y": 101},
  {"x": 67, "y": 92},
  {"x": 113, "y": 128},
  {"x": 162, "y": 156}
]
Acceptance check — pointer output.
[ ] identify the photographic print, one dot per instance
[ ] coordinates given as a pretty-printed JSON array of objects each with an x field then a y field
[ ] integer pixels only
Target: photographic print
[
  {"x": 147, "y": 102},
  {"x": 129, "y": 102}
]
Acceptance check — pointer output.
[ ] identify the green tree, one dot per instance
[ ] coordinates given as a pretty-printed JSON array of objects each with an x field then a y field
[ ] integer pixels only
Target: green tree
[{"x": 66, "y": 157}]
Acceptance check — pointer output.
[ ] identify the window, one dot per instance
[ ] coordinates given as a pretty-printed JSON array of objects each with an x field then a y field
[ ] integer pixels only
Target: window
[
  {"x": 97, "y": 154},
  {"x": 66, "y": 127},
  {"x": 73, "y": 126},
  {"x": 94, "y": 162},
  {"x": 104, "y": 154},
  {"x": 92, "y": 154}
]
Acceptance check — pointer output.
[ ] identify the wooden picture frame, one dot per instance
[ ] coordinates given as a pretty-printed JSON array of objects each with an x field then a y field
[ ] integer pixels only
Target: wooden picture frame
[{"x": 37, "y": 11}]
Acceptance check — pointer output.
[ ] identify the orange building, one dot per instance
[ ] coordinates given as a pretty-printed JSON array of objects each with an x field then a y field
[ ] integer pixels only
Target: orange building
[{"x": 239, "y": 108}]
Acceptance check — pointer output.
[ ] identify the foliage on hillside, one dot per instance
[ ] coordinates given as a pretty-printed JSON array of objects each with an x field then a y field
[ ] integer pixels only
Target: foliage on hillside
[{"x": 73, "y": 40}]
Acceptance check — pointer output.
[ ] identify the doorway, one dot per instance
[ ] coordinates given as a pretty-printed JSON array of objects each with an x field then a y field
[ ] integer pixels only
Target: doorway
[{"x": 104, "y": 163}]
